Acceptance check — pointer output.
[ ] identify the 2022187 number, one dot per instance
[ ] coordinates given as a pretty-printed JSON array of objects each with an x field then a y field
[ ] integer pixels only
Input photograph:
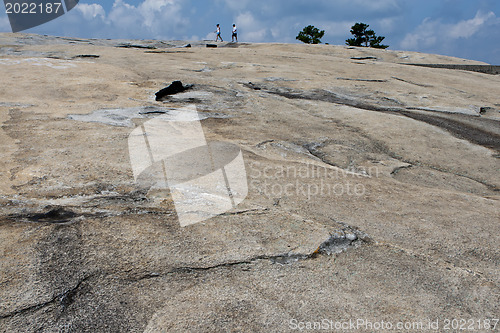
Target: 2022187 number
[
  {"x": 33, "y": 8},
  {"x": 470, "y": 325}
]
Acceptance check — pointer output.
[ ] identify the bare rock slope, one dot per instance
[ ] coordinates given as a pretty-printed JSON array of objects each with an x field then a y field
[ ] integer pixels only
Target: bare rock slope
[{"x": 373, "y": 189}]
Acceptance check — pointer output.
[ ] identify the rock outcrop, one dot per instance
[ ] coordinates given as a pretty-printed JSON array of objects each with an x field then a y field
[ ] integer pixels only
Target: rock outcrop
[{"x": 372, "y": 189}]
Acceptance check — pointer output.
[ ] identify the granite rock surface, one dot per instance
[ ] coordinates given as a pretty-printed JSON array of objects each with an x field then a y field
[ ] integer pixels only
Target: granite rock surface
[{"x": 372, "y": 189}]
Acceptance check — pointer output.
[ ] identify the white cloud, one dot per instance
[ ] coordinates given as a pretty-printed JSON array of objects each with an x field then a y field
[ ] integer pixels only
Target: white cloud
[
  {"x": 371, "y": 5},
  {"x": 424, "y": 36},
  {"x": 154, "y": 11},
  {"x": 336, "y": 29},
  {"x": 91, "y": 11},
  {"x": 252, "y": 29},
  {"x": 435, "y": 32},
  {"x": 161, "y": 19},
  {"x": 388, "y": 23},
  {"x": 319, "y": 5},
  {"x": 238, "y": 5},
  {"x": 466, "y": 29},
  {"x": 154, "y": 5},
  {"x": 124, "y": 19}
]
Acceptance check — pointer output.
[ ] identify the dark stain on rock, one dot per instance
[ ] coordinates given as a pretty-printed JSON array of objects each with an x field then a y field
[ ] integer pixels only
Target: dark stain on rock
[
  {"x": 458, "y": 128},
  {"x": 50, "y": 214},
  {"x": 54, "y": 215},
  {"x": 175, "y": 88},
  {"x": 364, "y": 58},
  {"x": 137, "y": 46},
  {"x": 93, "y": 56},
  {"x": 485, "y": 69},
  {"x": 252, "y": 86}
]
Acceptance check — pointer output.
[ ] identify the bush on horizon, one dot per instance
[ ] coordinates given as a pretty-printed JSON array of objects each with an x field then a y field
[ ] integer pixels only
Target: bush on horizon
[
  {"x": 310, "y": 35},
  {"x": 365, "y": 37}
]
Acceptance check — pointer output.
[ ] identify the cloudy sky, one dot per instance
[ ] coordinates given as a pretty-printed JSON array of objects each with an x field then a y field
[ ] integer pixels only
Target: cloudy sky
[{"x": 463, "y": 28}]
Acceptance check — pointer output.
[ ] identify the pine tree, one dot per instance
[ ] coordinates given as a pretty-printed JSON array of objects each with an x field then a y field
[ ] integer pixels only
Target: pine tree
[
  {"x": 365, "y": 37},
  {"x": 310, "y": 35}
]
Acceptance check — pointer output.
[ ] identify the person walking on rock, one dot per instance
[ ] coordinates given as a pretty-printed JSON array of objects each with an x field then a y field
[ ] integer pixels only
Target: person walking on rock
[
  {"x": 218, "y": 34},
  {"x": 235, "y": 34}
]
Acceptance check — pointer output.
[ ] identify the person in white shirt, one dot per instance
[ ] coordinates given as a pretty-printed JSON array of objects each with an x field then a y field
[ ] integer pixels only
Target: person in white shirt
[
  {"x": 218, "y": 34},
  {"x": 235, "y": 34}
]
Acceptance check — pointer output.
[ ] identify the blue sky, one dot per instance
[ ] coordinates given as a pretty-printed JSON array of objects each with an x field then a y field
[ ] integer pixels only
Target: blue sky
[{"x": 463, "y": 28}]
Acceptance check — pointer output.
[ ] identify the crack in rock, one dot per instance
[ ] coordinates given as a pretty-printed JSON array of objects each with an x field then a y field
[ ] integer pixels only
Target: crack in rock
[
  {"x": 410, "y": 82},
  {"x": 396, "y": 170},
  {"x": 247, "y": 212},
  {"x": 362, "y": 80},
  {"x": 338, "y": 242},
  {"x": 263, "y": 143},
  {"x": 63, "y": 299}
]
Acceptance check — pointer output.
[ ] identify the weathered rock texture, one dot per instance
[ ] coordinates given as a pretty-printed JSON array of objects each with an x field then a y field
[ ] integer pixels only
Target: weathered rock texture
[{"x": 373, "y": 189}]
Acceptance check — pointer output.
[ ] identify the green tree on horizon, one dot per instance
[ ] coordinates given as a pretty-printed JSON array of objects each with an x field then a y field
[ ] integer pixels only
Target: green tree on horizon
[
  {"x": 310, "y": 35},
  {"x": 365, "y": 37}
]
